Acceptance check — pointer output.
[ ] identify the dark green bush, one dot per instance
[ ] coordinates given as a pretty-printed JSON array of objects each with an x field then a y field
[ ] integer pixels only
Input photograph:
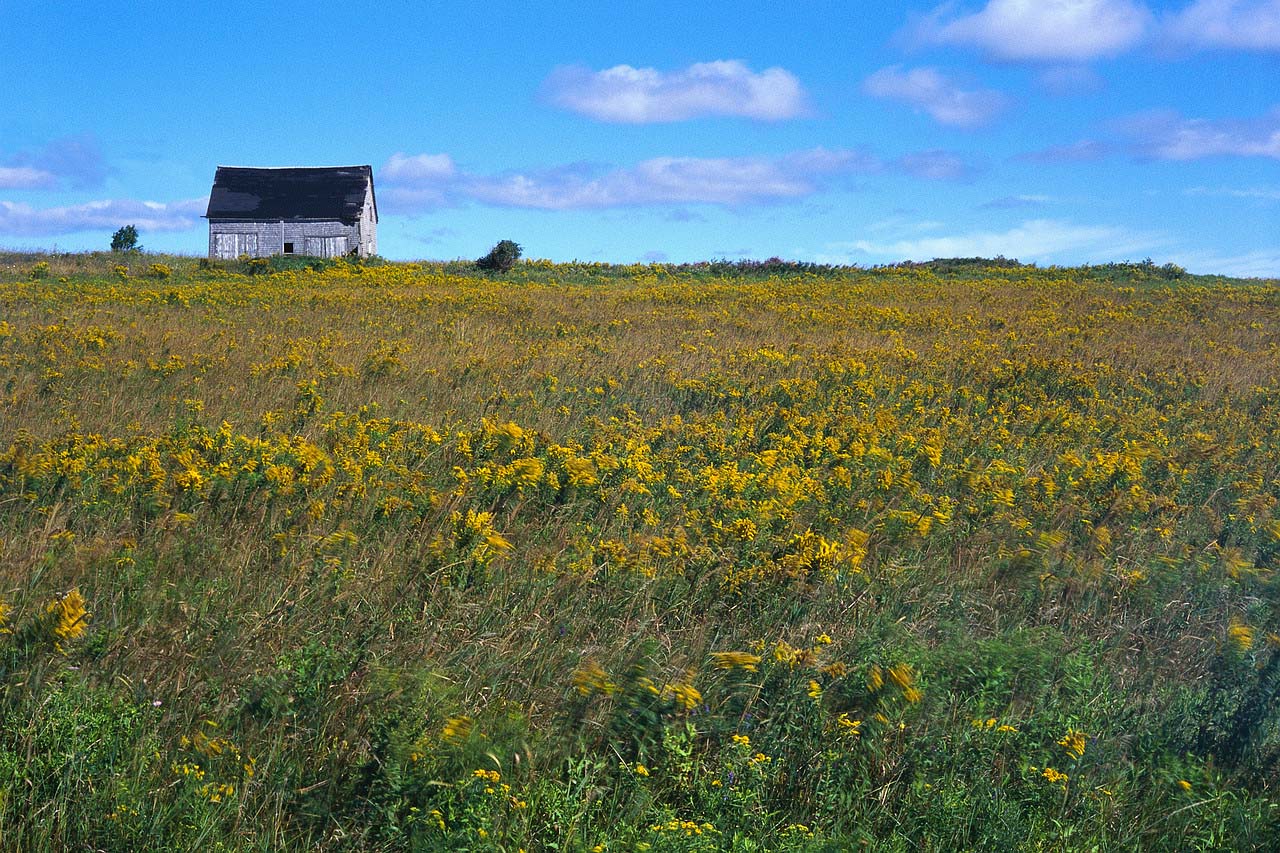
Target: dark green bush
[{"x": 501, "y": 257}]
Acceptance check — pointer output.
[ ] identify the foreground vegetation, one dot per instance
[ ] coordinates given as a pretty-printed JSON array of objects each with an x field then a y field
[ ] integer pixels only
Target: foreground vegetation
[{"x": 722, "y": 557}]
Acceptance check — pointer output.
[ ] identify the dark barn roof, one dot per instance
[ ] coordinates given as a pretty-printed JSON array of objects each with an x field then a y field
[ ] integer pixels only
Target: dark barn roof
[{"x": 329, "y": 192}]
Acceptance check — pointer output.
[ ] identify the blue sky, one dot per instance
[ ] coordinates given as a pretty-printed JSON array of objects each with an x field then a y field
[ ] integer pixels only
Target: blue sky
[{"x": 1054, "y": 131}]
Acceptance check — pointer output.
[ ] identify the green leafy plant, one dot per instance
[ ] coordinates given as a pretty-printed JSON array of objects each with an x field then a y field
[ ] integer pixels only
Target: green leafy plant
[
  {"x": 501, "y": 258},
  {"x": 125, "y": 240}
]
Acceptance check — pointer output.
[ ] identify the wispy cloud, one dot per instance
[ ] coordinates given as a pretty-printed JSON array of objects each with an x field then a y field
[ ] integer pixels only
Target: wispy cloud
[
  {"x": 1231, "y": 24},
  {"x": 25, "y": 178},
  {"x": 630, "y": 95},
  {"x": 416, "y": 183},
  {"x": 1258, "y": 193},
  {"x": 25, "y": 220},
  {"x": 1260, "y": 263},
  {"x": 1166, "y": 135},
  {"x": 928, "y": 89},
  {"x": 1064, "y": 80},
  {"x": 936, "y": 165},
  {"x": 1039, "y": 240},
  {"x": 420, "y": 182},
  {"x": 1012, "y": 202},
  {"x": 1042, "y": 30},
  {"x": 74, "y": 162},
  {"x": 730, "y": 181},
  {"x": 1076, "y": 152}
]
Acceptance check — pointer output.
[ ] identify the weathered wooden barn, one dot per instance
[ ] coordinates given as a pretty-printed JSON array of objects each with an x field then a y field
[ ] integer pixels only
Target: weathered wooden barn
[{"x": 326, "y": 212}]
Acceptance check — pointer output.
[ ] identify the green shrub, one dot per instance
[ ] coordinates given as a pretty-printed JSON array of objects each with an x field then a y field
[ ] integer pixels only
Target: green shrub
[
  {"x": 501, "y": 258},
  {"x": 125, "y": 240}
]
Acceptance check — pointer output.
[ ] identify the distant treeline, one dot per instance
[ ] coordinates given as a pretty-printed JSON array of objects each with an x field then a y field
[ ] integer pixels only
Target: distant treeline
[{"x": 133, "y": 264}]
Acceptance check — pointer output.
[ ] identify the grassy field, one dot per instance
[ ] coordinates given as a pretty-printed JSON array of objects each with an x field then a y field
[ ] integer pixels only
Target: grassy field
[{"x": 587, "y": 557}]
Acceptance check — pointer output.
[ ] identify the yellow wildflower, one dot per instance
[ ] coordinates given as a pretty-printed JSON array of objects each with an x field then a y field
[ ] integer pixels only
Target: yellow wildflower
[
  {"x": 70, "y": 617},
  {"x": 457, "y": 729},
  {"x": 901, "y": 676},
  {"x": 735, "y": 660},
  {"x": 1241, "y": 634},
  {"x": 1073, "y": 742},
  {"x": 849, "y": 726},
  {"x": 591, "y": 678}
]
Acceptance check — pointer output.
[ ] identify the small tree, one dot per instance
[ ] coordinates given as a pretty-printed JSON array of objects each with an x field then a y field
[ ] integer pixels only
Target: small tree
[
  {"x": 125, "y": 240},
  {"x": 501, "y": 257}
]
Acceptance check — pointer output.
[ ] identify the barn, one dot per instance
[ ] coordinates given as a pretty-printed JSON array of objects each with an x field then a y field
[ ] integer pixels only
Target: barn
[{"x": 326, "y": 212}]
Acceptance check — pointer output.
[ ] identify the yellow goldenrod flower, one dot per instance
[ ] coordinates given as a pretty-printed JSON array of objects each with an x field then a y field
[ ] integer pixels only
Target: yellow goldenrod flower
[
  {"x": 901, "y": 676},
  {"x": 1241, "y": 634},
  {"x": 70, "y": 619},
  {"x": 735, "y": 660},
  {"x": 590, "y": 678},
  {"x": 1073, "y": 742},
  {"x": 457, "y": 729},
  {"x": 1055, "y": 776},
  {"x": 849, "y": 726}
]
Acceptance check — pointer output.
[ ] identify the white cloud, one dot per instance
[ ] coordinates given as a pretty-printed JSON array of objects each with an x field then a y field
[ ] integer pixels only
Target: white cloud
[
  {"x": 931, "y": 91},
  {"x": 1076, "y": 152},
  {"x": 412, "y": 184},
  {"x": 1043, "y": 30},
  {"x": 1011, "y": 202},
  {"x": 672, "y": 180},
  {"x": 1236, "y": 24},
  {"x": 1064, "y": 80},
  {"x": 74, "y": 161},
  {"x": 417, "y": 182},
  {"x": 25, "y": 178},
  {"x": 1039, "y": 240},
  {"x": 1260, "y": 263},
  {"x": 418, "y": 168},
  {"x": 630, "y": 95},
  {"x": 1257, "y": 193},
  {"x": 1165, "y": 135},
  {"x": 424, "y": 181},
  {"x": 935, "y": 165},
  {"x": 25, "y": 220}
]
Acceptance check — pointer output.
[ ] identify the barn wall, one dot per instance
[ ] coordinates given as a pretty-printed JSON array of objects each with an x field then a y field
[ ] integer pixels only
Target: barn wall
[
  {"x": 368, "y": 226},
  {"x": 326, "y": 239}
]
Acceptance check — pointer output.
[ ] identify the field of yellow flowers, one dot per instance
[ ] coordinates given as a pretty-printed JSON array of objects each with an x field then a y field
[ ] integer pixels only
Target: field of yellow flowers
[{"x": 600, "y": 558}]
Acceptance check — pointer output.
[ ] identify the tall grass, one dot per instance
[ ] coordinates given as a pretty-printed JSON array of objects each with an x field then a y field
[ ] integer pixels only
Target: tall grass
[{"x": 584, "y": 557}]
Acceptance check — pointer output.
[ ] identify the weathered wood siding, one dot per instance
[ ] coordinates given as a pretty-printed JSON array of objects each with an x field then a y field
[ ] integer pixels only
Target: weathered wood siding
[
  {"x": 368, "y": 225},
  {"x": 229, "y": 240}
]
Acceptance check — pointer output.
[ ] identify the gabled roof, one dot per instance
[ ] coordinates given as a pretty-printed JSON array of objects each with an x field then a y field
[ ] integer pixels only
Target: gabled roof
[{"x": 328, "y": 192}]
